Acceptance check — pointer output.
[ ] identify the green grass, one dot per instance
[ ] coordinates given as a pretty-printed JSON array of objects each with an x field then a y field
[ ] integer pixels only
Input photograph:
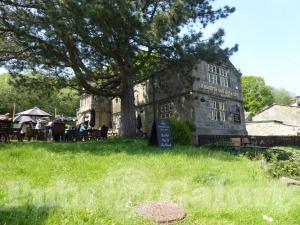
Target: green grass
[{"x": 103, "y": 182}]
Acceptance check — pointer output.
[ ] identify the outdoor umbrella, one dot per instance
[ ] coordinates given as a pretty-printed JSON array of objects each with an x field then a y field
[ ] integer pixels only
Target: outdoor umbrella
[
  {"x": 34, "y": 112},
  {"x": 24, "y": 119}
]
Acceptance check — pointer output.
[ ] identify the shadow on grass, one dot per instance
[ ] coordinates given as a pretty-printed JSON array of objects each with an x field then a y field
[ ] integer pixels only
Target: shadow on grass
[
  {"x": 297, "y": 148},
  {"x": 113, "y": 146},
  {"x": 24, "y": 215}
]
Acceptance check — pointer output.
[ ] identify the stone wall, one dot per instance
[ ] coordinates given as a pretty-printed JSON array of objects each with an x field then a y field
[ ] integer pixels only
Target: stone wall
[
  {"x": 206, "y": 125},
  {"x": 102, "y": 107},
  {"x": 168, "y": 88},
  {"x": 206, "y": 94},
  {"x": 190, "y": 97}
]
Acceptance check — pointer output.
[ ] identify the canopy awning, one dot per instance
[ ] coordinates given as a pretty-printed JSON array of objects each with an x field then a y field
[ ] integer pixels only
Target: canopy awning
[
  {"x": 34, "y": 112},
  {"x": 24, "y": 119}
]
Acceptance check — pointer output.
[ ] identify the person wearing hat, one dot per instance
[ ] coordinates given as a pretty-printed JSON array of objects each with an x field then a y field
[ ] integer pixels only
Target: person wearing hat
[{"x": 6, "y": 116}]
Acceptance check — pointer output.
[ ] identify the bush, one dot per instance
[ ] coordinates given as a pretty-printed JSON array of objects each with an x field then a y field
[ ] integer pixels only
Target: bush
[
  {"x": 182, "y": 131},
  {"x": 285, "y": 168},
  {"x": 274, "y": 154}
]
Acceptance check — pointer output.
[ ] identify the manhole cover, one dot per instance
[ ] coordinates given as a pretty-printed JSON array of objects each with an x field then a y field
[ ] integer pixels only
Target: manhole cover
[{"x": 161, "y": 212}]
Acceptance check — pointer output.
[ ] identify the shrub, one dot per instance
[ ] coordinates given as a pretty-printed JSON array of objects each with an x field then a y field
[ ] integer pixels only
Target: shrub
[
  {"x": 285, "y": 168},
  {"x": 274, "y": 154},
  {"x": 182, "y": 131}
]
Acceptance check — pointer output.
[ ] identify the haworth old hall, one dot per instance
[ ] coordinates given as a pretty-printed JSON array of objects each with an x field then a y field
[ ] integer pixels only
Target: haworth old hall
[{"x": 210, "y": 97}]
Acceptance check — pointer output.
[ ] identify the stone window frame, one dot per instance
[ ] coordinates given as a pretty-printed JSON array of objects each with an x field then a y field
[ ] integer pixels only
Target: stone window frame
[
  {"x": 166, "y": 110},
  {"x": 223, "y": 73},
  {"x": 218, "y": 75},
  {"x": 212, "y": 68},
  {"x": 237, "y": 118},
  {"x": 222, "y": 111},
  {"x": 212, "y": 78},
  {"x": 218, "y": 110}
]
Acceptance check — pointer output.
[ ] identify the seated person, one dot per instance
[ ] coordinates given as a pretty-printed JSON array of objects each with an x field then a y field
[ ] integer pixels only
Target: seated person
[
  {"x": 82, "y": 128},
  {"x": 7, "y": 117},
  {"x": 39, "y": 125},
  {"x": 58, "y": 129},
  {"x": 26, "y": 130},
  {"x": 104, "y": 131},
  {"x": 49, "y": 131},
  {"x": 57, "y": 120}
]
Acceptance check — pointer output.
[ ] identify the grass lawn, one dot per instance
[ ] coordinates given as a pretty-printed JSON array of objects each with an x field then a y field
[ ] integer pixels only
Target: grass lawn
[{"x": 103, "y": 182}]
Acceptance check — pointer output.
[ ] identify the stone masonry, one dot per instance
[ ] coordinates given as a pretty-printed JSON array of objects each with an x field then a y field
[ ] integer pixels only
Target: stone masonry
[{"x": 209, "y": 97}]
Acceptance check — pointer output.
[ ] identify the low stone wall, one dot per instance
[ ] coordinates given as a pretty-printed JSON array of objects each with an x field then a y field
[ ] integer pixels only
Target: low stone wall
[{"x": 263, "y": 141}]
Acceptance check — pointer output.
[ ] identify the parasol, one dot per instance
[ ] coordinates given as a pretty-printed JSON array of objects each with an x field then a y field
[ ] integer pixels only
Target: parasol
[{"x": 34, "y": 112}]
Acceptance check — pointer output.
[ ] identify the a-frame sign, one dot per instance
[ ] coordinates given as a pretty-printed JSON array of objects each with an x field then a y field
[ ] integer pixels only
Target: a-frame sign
[{"x": 161, "y": 134}]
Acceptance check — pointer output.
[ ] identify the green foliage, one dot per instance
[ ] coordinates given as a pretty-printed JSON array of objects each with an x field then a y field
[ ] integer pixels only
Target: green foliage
[
  {"x": 274, "y": 154},
  {"x": 256, "y": 93},
  {"x": 129, "y": 42},
  {"x": 104, "y": 182},
  {"x": 65, "y": 100},
  {"x": 106, "y": 45},
  {"x": 282, "y": 96},
  {"x": 287, "y": 168},
  {"x": 182, "y": 131},
  {"x": 280, "y": 162},
  {"x": 253, "y": 153},
  {"x": 285, "y": 162}
]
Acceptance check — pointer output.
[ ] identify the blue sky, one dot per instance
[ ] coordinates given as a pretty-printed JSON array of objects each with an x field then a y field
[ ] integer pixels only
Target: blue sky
[{"x": 268, "y": 34}]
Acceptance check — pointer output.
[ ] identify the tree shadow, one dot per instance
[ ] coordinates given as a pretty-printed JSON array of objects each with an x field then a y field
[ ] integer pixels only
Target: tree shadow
[
  {"x": 24, "y": 215},
  {"x": 128, "y": 146}
]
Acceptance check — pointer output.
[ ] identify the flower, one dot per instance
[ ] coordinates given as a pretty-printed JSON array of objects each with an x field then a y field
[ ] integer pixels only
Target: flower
[
  {"x": 128, "y": 204},
  {"x": 267, "y": 218}
]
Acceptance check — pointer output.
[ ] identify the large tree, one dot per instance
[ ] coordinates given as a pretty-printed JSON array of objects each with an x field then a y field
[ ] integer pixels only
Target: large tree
[
  {"x": 256, "y": 93},
  {"x": 106, "y": 44}
]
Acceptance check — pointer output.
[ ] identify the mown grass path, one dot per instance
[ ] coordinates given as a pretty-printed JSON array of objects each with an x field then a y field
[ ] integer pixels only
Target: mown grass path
[{"x": 103, "y": 182}]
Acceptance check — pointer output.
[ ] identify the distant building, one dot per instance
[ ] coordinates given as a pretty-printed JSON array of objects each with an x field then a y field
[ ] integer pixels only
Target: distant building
[
  {"x": 275, "y": 120},
  {"x": 248, "y": 116},
  {"x": 297, "y": 101},
  {"x": 209, "y": 97}
]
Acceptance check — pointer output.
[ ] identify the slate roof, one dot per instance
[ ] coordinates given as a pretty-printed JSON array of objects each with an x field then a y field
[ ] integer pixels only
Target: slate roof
[
  {"x": 271, "y": 128},
  {"x": 289, "y": 115}
]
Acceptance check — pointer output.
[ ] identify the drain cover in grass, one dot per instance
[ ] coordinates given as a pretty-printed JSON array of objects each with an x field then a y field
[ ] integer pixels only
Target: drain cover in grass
[{"x": 161, "y": 212}]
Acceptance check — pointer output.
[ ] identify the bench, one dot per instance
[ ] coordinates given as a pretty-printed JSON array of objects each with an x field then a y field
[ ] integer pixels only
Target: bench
[{"x": 5, "y": 129}]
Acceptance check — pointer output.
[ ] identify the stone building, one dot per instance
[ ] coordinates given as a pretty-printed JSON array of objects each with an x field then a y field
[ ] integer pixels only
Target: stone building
[
  {"x": 276, "y": 120},
  {"x": 102, "y": 107},
  {"x": 209, "y": 97},
  {"x": 297, "y": 101}
]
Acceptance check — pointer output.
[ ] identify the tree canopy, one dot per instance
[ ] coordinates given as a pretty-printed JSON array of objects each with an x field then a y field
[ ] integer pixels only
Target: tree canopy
[
  {"x": 65, "y": 100},
  {"x": 256, "y": 93},
  {"x": 99, "y": 42}
]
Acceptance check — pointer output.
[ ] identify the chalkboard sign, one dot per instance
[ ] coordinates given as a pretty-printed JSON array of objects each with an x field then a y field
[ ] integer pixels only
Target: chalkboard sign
[{"x": 161, "y": 134}]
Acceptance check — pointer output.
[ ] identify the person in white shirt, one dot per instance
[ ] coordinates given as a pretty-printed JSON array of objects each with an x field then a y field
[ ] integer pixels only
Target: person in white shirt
[{"x": 39, "y": 125}]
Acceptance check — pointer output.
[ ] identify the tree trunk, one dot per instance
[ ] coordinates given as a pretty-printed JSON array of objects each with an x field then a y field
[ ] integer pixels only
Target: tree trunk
[{"x": 128, "y": 117}]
